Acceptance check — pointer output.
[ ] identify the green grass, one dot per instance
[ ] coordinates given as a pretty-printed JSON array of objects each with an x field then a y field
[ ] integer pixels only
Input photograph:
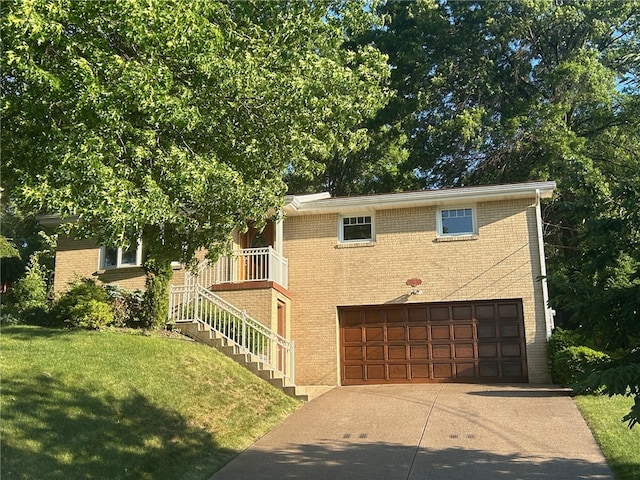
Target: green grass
[
  {"x": 620, "y": 445},
  {"x": 113, "y": 405}
]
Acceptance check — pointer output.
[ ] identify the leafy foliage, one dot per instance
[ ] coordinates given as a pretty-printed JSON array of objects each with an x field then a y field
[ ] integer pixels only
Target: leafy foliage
[
  {"x": 174, "y": 121},
  {"x": 127, "y": 306},
  {"x": 27, "y": 301},
  {"x": 85, "y": 305},
  {"x": 572, "y": 364},
  {"x": 560, "y": 340},
  {"x": 619, "y": 376},
  {"x": 156, "y": 297}
]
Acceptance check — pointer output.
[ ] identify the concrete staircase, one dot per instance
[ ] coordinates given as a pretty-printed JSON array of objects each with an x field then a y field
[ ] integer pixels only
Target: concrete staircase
[{"x": 203, "y": 333}]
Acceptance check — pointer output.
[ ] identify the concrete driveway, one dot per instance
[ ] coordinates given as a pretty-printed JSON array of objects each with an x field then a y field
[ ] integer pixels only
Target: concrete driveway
[{"x": 431, "y": 431}]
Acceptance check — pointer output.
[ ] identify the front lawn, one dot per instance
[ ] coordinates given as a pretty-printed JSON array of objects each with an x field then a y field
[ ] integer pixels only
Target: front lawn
[
  {"x": 112, "y": 405},
  {"x": 620, "y": 445}
]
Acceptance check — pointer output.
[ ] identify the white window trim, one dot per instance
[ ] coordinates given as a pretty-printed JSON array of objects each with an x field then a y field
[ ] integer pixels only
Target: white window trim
[
  {"x": 474, "y": 222},
  {"x": 119, "y": 264},
  {"x": 359, "y": 240}
]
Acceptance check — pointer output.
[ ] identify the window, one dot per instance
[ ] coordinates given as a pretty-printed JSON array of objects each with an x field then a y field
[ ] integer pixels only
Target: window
[
  {"x": 458, "y": 221},
  {"x": 356, "y": 229},
  {"x": 111, "y": 257}
]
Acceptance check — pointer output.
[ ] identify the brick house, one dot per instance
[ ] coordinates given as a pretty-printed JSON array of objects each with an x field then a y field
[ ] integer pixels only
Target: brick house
[{"x": 437, "y": 285}]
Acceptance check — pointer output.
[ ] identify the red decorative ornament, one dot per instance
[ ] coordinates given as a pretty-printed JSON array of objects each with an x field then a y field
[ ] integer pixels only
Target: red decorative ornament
[{"x": 414, "y": 282}]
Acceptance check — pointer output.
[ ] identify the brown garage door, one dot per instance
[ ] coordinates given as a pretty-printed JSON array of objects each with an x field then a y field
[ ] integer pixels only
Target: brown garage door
[{"x": 481, "y": 341}]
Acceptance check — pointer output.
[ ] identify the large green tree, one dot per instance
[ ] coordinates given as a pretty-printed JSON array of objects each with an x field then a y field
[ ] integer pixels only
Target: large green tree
[
  {"x": 174, "y": 121},
  {"x": 494, "y": 92}
]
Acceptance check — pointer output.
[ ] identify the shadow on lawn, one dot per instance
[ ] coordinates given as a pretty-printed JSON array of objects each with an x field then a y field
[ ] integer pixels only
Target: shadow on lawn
[
  {"x": 362, "y": 460},
  {"x": 53, "y": 431},
  {"x": 30, "y": 332}
]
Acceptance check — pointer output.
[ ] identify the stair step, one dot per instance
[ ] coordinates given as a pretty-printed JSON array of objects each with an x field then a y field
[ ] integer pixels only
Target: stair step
[{"x": 203, "y": 333}]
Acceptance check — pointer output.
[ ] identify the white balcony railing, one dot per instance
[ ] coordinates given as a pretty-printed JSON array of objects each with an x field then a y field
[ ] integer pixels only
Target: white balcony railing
[
  {"x": 194, "y": 303},
  {"x": 247, "y": 265}
]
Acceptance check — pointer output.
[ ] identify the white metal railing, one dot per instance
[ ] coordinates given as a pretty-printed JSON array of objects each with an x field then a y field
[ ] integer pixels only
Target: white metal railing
[
  {"x": 246, "y": 265},
  {"x": 189, "y": 303}
]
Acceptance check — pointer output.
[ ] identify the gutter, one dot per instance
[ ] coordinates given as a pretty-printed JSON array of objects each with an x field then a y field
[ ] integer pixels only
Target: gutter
[
  {"x": 323, "y": 204},
  {"x": 548, "y": 312}
]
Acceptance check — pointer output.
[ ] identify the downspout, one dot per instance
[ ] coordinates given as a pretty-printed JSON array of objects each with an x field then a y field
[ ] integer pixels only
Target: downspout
[
  {"x": 548, "y": 312},
  {"x": 279, "y": 236}
]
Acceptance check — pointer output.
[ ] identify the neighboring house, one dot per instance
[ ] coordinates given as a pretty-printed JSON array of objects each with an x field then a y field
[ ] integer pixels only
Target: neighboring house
[{"x": 434, "y": 285}]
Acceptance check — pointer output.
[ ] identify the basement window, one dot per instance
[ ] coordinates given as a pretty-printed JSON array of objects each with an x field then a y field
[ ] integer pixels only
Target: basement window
[{"x": 111, "y": 257}]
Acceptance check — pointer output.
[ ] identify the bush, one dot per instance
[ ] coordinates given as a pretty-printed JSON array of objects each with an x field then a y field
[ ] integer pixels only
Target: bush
[
  {"x": 92, "y": 314},
  {"x": 27, "y": 301},
  {"x": 85, "y": 305},
  {"x": 156, "y": 310},
  {"x": 572, "y": 364},
  {"x": 559, "y": 341},
  {"x": 128, "y": 307}
]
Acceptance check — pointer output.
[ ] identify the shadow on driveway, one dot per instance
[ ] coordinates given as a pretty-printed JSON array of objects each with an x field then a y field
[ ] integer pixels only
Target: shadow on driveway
[{"x": 384, "y": 461}]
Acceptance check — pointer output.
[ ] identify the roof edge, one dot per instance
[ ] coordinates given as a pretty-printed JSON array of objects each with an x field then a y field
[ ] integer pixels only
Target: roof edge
[{"x": 419, "y": 198}]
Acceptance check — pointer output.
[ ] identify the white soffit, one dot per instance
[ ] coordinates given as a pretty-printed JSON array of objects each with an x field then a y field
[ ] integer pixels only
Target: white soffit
[{"x": 322, "y": 203}]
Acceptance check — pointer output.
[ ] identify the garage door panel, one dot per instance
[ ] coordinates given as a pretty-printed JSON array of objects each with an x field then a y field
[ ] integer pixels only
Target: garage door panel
[
  {"x": 353, "y": 353},
  {"x": 462, "y": 312},
  {"x": 375, "y": 372},
  {"x": 438, "y": 313},
  {"x": 417, "y": 333},
  {"x": 442, "y": 370},
  {"x": 463, "y": 350},
  {"x": 465, "y": 370},
  {"x": 510, "y": 329},
  {"x": 396, "y": 315},
  {"x": 485, "y": 312},
  {"x": 488, "y": 369},
  {"x": 374, "y": 353},
  {"x": 395, "y": 334},
  {"x": 398, "y": 372},
  {"x": 508, "y": 311},
  {"x": 456, "y": 341},
  {"x": 374, "y": 334},
  {"x": 352, "y": 335},
  {"x": 487, "y": 350},
  {"x": 441, "y": 351},
  {"x": 510, "y": 350},
  {"x": 418, "y": 352},
  {"x": 512, "y": 369},
  {"x": 486, "y": 330},
  {"x": 350, "y": 318},
  {"x": 419, "y": 371},
  {"x": 397, "y": 352},
  {"x": 353, "y": 372},
  {"x": 417, "y": 314},
  {"x": 373, "y": 316},
  {"x": 462, "y": 332},
  {"x": 440, "y": 332}
]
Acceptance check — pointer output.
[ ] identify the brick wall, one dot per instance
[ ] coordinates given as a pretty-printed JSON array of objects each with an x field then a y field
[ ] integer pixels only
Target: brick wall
[
  {"x": 501, "y": 262},
  {"x": 81, "y": 258},
  {"x": 260, "y": 303}
]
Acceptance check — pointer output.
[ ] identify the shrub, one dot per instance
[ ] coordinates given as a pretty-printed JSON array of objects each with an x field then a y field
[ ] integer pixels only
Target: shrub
[
  {"x": 28, "y": 300},
  {"x": 85, "y": 305},
  {"x": 574, "y": 363},
  {"x": 128, "y": 307},
  {"x": 559, "y": 341},
  {"x": 156, "y": 311},
  {"x": 92, "y": 314}
]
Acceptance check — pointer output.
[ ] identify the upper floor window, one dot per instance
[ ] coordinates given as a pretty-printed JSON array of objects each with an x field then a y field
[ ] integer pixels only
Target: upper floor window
[
  {"x": 456, "y": 221},
  {"x": 111, "y": 257},
  {"x": 357, "y": 229}
]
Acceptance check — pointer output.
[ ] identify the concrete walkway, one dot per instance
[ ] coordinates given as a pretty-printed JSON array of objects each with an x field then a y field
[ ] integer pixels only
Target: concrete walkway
[{"x": 430, "y": 431}]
